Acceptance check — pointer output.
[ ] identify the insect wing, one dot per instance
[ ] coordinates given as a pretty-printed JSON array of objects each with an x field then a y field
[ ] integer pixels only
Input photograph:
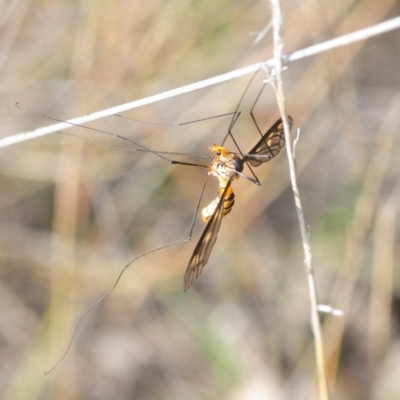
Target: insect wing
[
  {"x": 206, "y": 243},
  {"x": 269, "y": 145}
]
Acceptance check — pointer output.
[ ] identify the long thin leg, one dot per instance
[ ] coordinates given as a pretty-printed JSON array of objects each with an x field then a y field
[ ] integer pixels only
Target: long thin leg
[
  {"x": 177, "y": 124},
  {"x": 140, "y": 148},
  {"x": 196, "y": 210},
  {"x": 252, "y": 109},
  {"x": 119, "y": 277},
  {"x": 234, "y": 120},
  {"x": 238, "y": 105}
]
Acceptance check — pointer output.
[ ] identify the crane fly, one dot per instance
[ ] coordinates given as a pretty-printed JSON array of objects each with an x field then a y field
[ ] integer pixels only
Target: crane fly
[{"x": 228, "y": 166}]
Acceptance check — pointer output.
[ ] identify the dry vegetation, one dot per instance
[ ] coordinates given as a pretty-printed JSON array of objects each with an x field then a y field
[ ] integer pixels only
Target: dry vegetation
[{"x": 73, "y": 212}]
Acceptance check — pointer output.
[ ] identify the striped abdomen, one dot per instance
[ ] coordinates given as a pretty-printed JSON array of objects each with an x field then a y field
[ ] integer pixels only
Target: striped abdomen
[{"x": 227, "y": 204}]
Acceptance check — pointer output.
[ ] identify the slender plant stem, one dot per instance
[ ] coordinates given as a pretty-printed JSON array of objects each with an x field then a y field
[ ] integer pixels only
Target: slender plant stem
[
  {"x": 297, "y": 55},
  {"x": 277, "y": 83}
]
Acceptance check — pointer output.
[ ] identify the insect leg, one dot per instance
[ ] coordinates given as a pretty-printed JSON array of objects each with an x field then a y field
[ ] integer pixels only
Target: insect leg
[
  {"x": 140, "y": 148},
  {"x": 196, "y": 210},
  {"x": 177, "y": 124},
  {"x": 252, "y": 109}
]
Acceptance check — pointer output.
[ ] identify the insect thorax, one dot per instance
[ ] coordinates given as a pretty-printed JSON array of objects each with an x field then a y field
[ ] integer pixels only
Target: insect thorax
[{"x": 225, "y": 165}]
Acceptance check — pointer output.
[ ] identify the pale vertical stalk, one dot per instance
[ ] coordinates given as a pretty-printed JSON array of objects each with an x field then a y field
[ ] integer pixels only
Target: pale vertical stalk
[{"x": 277, "y": 84}]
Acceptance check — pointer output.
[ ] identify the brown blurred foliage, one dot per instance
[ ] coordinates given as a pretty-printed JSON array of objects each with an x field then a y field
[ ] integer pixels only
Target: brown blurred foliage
[{"x": 73, "y": 212}]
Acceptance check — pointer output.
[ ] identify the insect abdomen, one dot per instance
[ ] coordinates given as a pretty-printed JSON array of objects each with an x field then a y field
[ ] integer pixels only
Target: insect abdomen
[{"x": 229, "y": 201}]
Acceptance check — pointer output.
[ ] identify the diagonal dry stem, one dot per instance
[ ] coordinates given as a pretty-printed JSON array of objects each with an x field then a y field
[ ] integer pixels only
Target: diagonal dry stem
[{"x": 361, "y": 34}]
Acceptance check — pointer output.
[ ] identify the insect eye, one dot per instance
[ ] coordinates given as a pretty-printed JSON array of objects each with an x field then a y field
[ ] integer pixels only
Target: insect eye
[{"x": 218, "y": 152}]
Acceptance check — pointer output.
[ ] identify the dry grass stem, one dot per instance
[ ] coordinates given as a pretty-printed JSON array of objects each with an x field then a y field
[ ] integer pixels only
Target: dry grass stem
[
  {"x": 297, "y": 55},
  {"x": 76, "y": 208},
  {"x": 277, "y": 84}
]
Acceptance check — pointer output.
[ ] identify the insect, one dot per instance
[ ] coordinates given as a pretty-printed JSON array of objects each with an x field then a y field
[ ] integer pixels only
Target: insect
[{"x": 228, "y": 166}]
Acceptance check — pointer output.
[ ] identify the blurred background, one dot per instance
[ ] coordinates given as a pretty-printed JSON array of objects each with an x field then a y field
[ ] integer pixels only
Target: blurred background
[{"x": 74, "y": 210}]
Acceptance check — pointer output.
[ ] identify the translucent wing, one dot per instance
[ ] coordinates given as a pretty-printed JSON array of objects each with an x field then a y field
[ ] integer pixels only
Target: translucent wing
[
  {"x": 269, "y": 145},
  {"x": 206, "y": 242}
]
